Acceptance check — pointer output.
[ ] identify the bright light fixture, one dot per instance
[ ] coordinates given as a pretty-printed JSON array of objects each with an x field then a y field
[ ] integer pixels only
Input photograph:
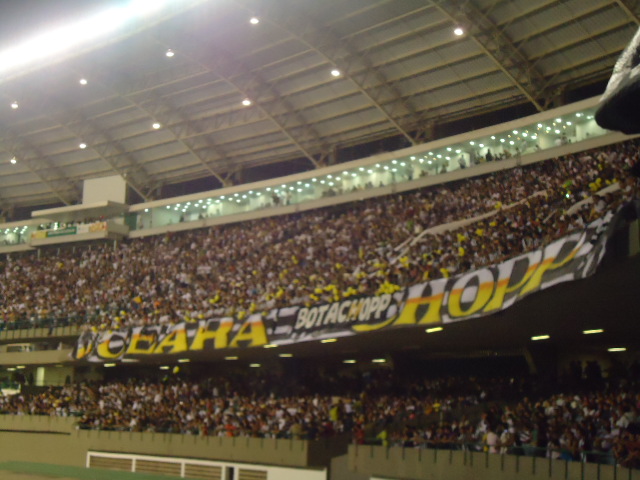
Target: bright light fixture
[
  {"x": 270, "y": 345},
  {"x": 13, "y": 161},
  {"x": 458, "y": 31},
  {"x": 14, "y": 105},
  {"x": 254, "y": 21},
  {"x": 254, "y": 365},
  {"x": 379, "y": 360},
  {"x": 246, "y": 102},
  {"x": 329, "y": 340},
  {"x": 335, "y": 72},
  {"x": 231, "y": 358},
  {"x": 156, "y": 125},
  {"x": 286, "y": 355},
  {"x": 183, "y": 360},
  {"x": 83, "y": 81},
  {"x": 434, "y": 329},
  {"x": 617, "y": 349},
  {"x": 165, "y": 367},
  {"x": 107, "y": 365},
  {"x": 74, "y": 36},
  {"x": 591, "y": 332},
  {"x": 350, "y": 360},
  {"x": 170, "y": 53},
  {"x": 83, "y": 146},
  {"x": 540, "y": 337}
]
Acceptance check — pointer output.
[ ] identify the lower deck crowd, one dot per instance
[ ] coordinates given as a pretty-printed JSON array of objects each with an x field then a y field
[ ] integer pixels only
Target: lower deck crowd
[{"x": 595, "y": 420}]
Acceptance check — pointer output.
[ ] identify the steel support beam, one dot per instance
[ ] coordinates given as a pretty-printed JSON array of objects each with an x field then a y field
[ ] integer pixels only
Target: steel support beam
[
  {"x": 631, "y": 8},
  {"x": 252, "y": 86},
  {"x": 42, "y": 167},
  {"x": 327, "y": 44},
  {"x": 110, "y": 151},
  {"x": 498, "y": 47},
  {"x": 162, "y": 111}
]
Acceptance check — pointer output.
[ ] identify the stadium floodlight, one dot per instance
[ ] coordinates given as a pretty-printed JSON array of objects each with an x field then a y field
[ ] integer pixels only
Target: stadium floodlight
[
  {"x": 71, "y": 37},
  {"x": 246, "y": 102},
  {"x": 540, "y": 337},
  {"x": 335, "y": 72},
  {"x": 83, "y": 81},
  {"x": 254, "y": 20},
  {"x": 592, "y": 332},
  {"x": 458, "y": 31},
  {"x": 14, "y": 105},
  {"x": 13, "y": 161}
]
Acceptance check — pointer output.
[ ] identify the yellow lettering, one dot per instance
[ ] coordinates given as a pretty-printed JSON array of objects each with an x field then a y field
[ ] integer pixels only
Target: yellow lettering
[
  {"x": 482, "y": 297},
  {"x": 138, "y": 338},
  {"x": 83, "y": 350},
  {"x": 220, "y": 336},
  {"x": 547, "y": 264},
  {"x": 503, "y": 288},
  {"x": 175, "y": 342},
  {"x": 252, "y": 331},
  {"x": 421, "y": 311},
  {"x": 104, "y": 348}
]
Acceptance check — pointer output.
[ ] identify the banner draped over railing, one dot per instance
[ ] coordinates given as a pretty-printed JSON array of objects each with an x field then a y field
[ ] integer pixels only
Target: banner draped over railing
[{"x": 462, "y": 297}]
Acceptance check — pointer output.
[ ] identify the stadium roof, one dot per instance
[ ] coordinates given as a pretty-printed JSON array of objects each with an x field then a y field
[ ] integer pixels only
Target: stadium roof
[{"x": 320, "y": 76}]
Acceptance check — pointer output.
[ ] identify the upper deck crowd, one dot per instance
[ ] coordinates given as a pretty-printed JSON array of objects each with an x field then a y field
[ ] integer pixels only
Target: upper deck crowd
[{"x": 369, "y": 247}]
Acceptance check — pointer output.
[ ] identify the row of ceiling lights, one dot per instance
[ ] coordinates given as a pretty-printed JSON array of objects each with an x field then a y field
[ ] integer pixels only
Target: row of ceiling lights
[{"x": 245, "y": 102}]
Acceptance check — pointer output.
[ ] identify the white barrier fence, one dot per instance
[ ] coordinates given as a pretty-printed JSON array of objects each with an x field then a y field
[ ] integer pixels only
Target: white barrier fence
[{"x": 198, "y": 469}]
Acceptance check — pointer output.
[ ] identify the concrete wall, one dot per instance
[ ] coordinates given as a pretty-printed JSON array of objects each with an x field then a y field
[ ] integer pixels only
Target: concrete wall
[
  {"x": 20, "y": 336},
  {"x": 41, "y": 357},
  {"x": 112, "y": 188},
  {"x": 55, "y": 440},
  {"x": 418, "y": 464}
]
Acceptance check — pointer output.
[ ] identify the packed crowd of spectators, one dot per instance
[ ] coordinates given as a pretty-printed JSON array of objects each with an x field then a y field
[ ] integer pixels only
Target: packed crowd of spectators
[
  {"x": 496, "y": 415},
  {"x": 369, "y": 247}
]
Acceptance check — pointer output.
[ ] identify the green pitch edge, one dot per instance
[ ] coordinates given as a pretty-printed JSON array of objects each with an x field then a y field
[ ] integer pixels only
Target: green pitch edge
[{"x": 77, "y": 472}]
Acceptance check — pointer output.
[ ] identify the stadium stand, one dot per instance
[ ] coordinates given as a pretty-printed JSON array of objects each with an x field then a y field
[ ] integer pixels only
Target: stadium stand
[
  {"x": 127, "y": 325},
  {"x": 372, "y": 247}
]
